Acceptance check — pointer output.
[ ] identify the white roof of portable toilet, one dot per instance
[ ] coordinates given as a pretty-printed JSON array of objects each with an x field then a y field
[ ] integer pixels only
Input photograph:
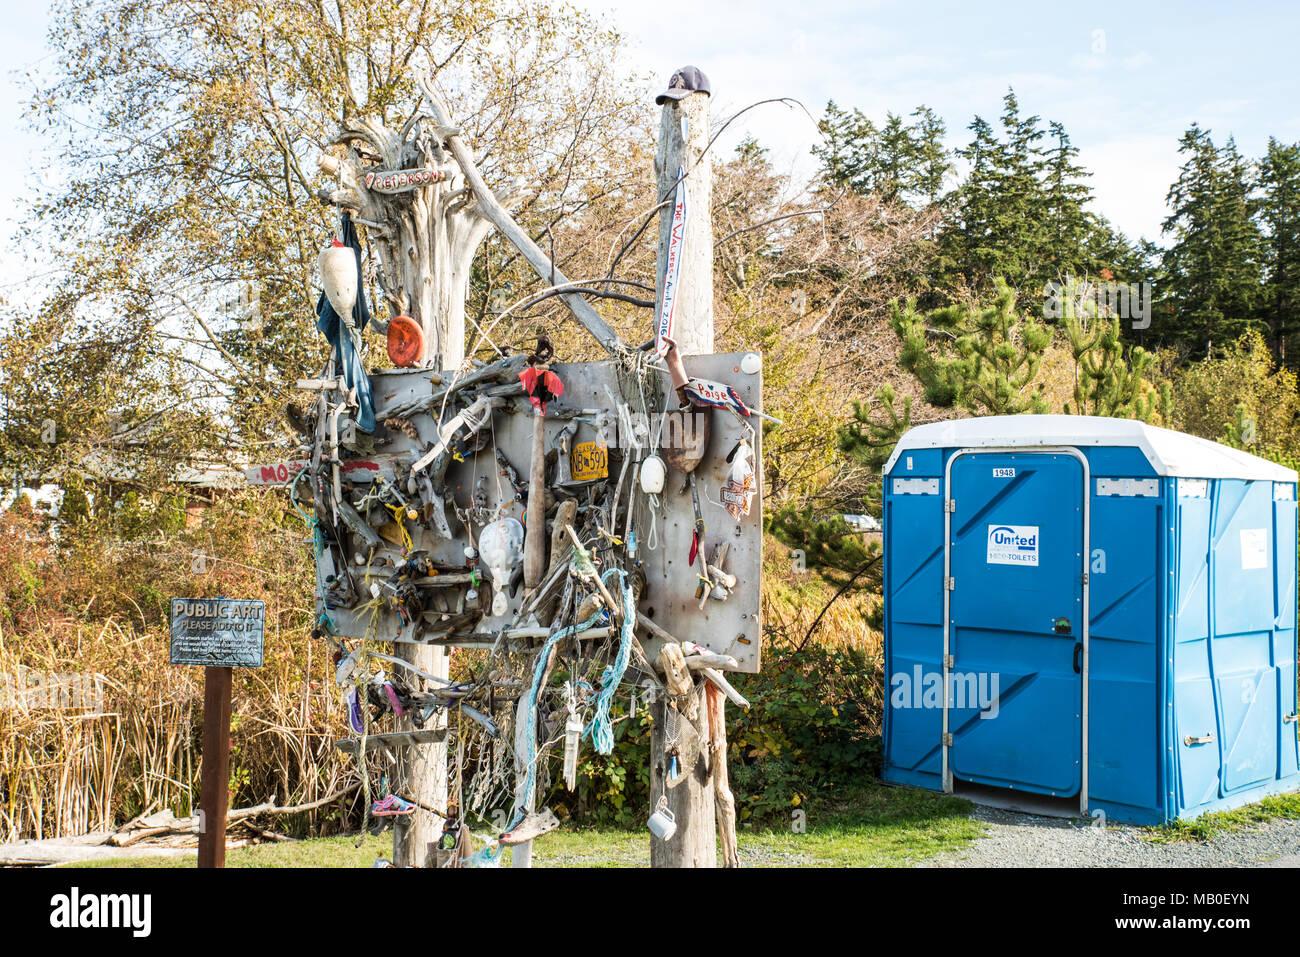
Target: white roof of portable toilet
[{"x": 1169, "y": 452}]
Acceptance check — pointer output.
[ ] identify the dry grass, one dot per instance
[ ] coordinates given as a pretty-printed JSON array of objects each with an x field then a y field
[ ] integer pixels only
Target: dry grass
[
  {"x": 793, "y": 599},
  {"x": 82, "y": 609}
]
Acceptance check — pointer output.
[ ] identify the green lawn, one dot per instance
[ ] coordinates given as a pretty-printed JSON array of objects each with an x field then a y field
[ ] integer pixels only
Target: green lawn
[
  {"x": 1208, "y": 826},
  {"x": 869, "y": 826}
]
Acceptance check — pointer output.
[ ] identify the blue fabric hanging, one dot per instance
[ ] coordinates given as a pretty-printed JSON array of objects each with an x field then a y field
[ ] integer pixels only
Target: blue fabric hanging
[{"x": 329, "y": 323}]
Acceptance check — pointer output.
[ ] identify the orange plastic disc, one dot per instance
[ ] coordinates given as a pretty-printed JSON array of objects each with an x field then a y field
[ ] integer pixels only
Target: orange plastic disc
[{"x": 405, "y": 341}]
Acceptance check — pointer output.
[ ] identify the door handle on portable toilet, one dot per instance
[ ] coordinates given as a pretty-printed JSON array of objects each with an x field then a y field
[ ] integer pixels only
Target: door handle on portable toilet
[
  {"x": 1078, "y": 656},
  {"x": 1198, "y": 739}
]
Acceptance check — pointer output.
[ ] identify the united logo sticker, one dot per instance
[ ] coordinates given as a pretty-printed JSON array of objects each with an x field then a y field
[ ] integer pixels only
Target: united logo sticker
[{"x": 1013, "y": 545}]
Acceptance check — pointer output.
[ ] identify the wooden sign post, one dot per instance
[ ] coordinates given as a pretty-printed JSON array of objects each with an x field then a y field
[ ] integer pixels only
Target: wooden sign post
[
  {"x": 219, "y": 634},
  {"x": 214, "y": 790}
]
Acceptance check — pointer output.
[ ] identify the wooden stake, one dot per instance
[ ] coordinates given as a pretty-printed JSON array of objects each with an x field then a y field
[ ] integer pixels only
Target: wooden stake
[
  {"x": 725, "y": 800},
  {"x": 214, "y": 793},
  {"x": 691, "y": 801}
]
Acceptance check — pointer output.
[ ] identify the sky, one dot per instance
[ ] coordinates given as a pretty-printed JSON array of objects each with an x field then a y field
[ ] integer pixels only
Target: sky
[{"x": 1126, "y": 79}]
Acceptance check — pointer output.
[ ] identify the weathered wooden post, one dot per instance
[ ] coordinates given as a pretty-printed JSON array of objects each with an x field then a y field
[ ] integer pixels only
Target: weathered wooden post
[{"x": 683, "y": 136}]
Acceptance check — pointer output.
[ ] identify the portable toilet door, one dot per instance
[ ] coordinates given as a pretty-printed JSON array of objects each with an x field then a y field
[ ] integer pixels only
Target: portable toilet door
[{"x": 1027, "y": 634}]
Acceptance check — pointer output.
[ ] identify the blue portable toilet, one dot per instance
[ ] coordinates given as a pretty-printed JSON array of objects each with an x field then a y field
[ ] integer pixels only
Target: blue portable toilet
[{"x": 1089, "y": 608}]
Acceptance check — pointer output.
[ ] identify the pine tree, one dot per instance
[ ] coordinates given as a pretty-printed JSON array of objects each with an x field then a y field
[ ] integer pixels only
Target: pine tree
[
  {"x": 1212, "y": 269},
  {"x": 1000, "y": 225},
  {"x": 932, "y": 161},
  {"x": 1020, "y": 218},
  {"x": 985, "y": 359},
  {"x": 1071, "y": 229},
  {"x": 1279, "y": 208},
  {"x": 847, "y": 148},
  {"x": 896, "y": 161},
  {"x": 969, "y": 249},
  {"x": 1110, "y": 379}
]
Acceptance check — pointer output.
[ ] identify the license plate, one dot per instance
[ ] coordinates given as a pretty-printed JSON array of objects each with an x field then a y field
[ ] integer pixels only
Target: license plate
[{"x": 589, "y": 461}]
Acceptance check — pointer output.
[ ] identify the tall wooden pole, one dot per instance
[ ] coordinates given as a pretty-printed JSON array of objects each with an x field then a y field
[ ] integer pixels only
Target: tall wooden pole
[
  {"x": 214, "y": 789},
  {"x": 683, "y": 136}
]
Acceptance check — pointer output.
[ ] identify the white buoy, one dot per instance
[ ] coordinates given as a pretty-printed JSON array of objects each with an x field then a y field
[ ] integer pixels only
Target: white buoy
[
  {"x": 338, "y": 276},
  {"x": 653, "y": 475}
]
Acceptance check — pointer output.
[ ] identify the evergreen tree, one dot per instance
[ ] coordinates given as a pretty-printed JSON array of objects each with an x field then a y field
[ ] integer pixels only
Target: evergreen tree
[
  {"x": 1279, "y": 209},
  {"x": 895, "y": 157},
  {"x": 1020, "y": 213},
  {"x": 1212, "y": 269},
  {"x": 1000, "y": 226},
  {"x": 1109, "y": 379},
  {"x": 897, "y": 161},
  {"x": 969, "y": 249},
  {"x": 1071, "y": 229},
  {"x": 847, "y": 148},
  {"x": 932, "y": 161}
]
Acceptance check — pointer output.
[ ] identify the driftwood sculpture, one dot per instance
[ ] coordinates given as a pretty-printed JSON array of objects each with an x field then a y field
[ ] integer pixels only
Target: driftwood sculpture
[{"x": 442, "y": 452}]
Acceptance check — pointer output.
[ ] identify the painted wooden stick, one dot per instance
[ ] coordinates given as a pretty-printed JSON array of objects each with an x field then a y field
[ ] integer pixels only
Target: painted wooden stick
[
  {"x": 535, "y": 533},
  {"x": 725, "y": 686}
]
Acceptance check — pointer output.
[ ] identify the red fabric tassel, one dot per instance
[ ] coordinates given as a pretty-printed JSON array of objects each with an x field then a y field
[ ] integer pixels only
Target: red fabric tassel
[{"x": 542, "y": 387}]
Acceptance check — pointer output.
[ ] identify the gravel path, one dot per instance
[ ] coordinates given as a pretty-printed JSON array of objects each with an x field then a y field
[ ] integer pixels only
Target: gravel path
[{"x": 1027, "y": 840}]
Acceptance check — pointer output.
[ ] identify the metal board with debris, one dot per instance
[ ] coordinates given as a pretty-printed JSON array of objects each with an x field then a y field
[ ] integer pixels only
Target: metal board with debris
[{"x": 596, "y": 437}]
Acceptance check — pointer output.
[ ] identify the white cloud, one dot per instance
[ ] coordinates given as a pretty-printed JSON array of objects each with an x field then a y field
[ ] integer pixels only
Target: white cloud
[
  {"x": 1131, "y": 176},
  {"x": 1090, "y": 62},
  {"x": 1138, "y": 60}
]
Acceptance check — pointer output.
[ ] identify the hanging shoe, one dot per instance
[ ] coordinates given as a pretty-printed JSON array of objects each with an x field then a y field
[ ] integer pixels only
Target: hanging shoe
[
  {"x": 355, "y": 718},
  {"x": 391, "y": 806},
  {"x": 393, "y": 699},
  {"x": 534, "y": 825}
]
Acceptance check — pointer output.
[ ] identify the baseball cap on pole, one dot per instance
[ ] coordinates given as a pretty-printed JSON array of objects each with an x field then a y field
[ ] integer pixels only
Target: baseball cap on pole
[{"x": 687, "y": 80}]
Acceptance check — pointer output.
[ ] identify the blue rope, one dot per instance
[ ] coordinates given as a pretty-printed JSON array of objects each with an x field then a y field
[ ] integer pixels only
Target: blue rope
[
  {"x": 601, "y": 729},
  {"x": 317, "y": 536},
  {"x": 490, "y": 857}
]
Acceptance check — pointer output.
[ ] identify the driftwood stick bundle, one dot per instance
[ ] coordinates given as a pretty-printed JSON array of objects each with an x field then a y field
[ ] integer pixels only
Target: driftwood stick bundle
[
  {"x": 489, "y": 206},
  {"x": 150, "y": 825}
]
